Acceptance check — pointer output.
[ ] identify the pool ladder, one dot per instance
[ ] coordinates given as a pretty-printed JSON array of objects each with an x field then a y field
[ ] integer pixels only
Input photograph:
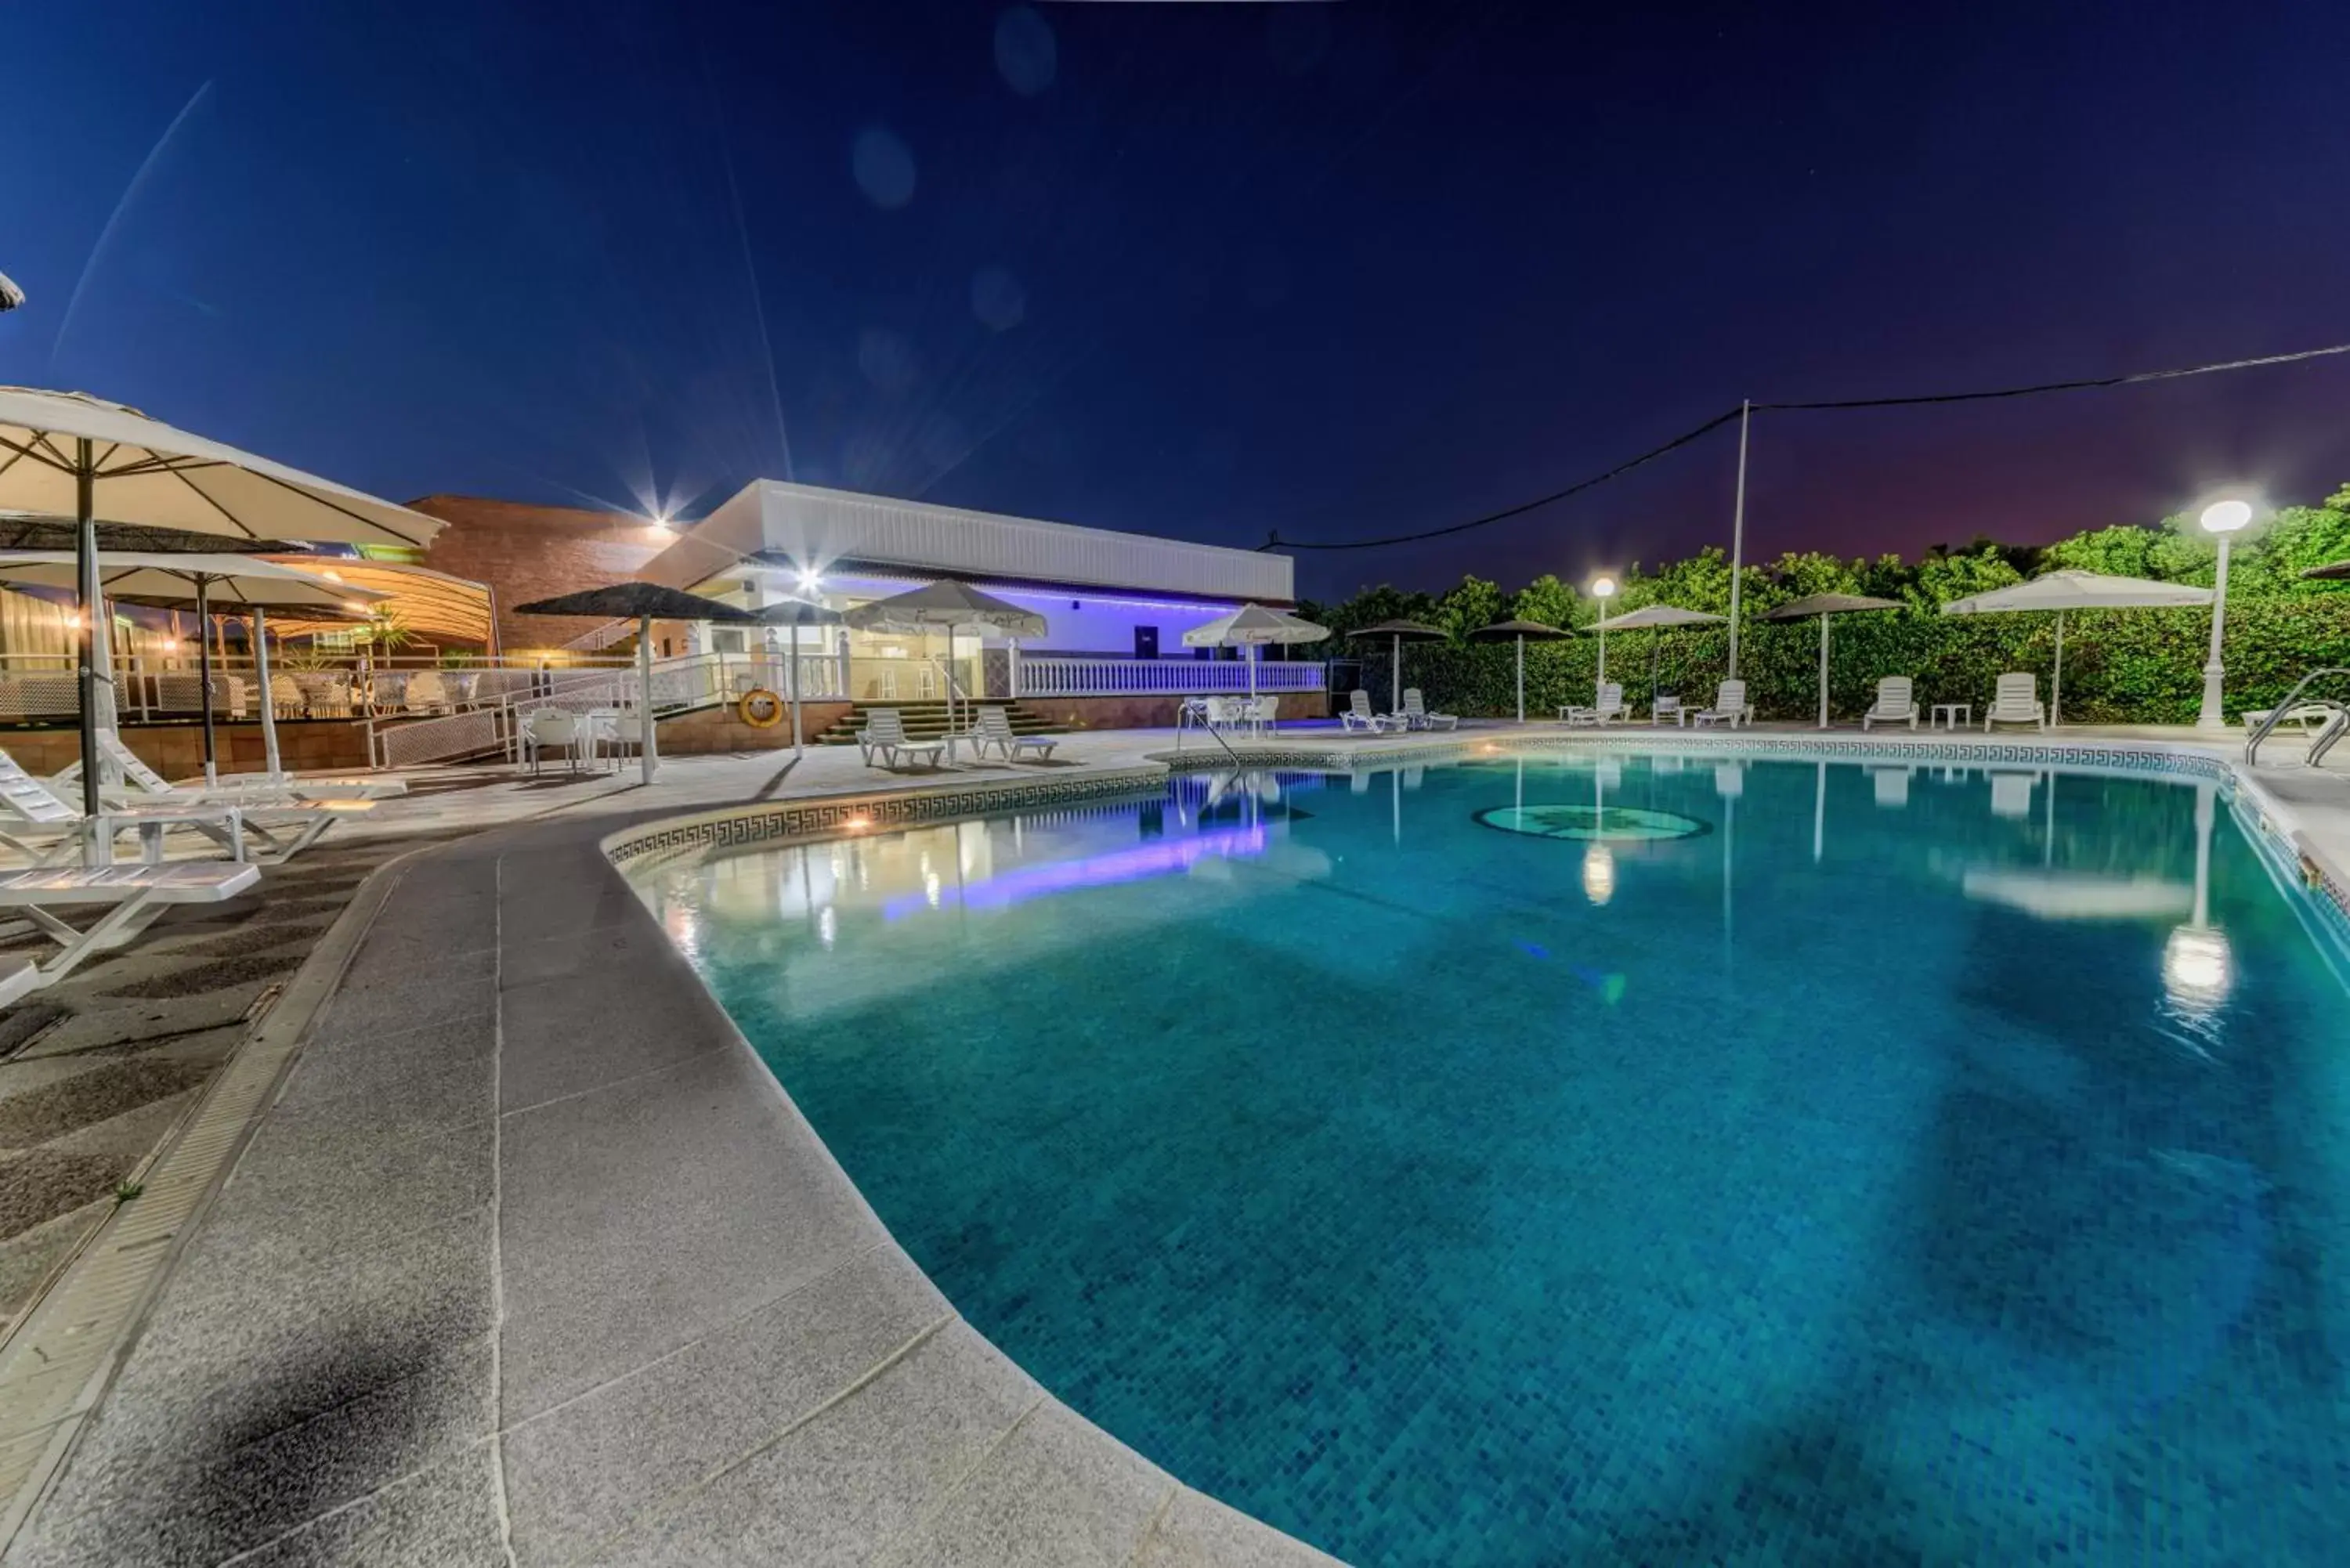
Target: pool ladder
[{"x": 2335, "y": 726}]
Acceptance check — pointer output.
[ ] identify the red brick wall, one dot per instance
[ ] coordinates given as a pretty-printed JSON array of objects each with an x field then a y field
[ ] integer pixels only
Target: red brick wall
[
  {"x": 177, "y": 750},
  {"x": 527, "y": 553}
]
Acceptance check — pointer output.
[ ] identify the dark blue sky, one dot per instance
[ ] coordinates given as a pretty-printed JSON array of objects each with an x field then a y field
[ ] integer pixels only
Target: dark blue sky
[{"x": 1205, "y": 269}]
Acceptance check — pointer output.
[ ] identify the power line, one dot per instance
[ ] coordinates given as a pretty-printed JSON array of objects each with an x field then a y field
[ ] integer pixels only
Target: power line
[{"x": 1274, "y": 540}]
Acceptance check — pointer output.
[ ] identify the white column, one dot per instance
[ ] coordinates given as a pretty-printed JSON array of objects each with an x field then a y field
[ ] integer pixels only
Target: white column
[
  {"x": 649, "y": 746},
  {"x": 2210, "y": 717},
  {"x": 1824, "y": 672}
]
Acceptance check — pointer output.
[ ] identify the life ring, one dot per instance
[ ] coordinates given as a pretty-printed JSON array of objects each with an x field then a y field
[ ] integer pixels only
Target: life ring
[{"x": 759, "y": 707}]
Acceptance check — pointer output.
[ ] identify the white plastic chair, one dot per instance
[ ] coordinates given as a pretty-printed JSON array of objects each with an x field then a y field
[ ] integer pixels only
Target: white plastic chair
[
  {"x": 1609, "y": 706},
  {"x": 552, "y": 727},
  {"x": 1730, "y": 706},
  {"x": 2016, "y": 701}
]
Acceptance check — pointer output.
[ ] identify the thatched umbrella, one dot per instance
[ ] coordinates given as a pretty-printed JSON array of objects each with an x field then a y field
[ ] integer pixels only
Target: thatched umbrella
[
  {"x": 1824, "y": 606},
  {"x": 1397, "y": 633},
  {"x": 1502, "y": 630}
]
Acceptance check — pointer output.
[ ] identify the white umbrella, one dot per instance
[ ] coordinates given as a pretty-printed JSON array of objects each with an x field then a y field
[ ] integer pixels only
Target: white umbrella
[
  {"x": 59, "y": 451},
  {"x": 2062, "y": 591},
  {"x": 1253, "y": 626},
  {"x": 202, "y": 582},
  {"x": 952, "y": 606},
  {"x": 1650, "y": 617}
]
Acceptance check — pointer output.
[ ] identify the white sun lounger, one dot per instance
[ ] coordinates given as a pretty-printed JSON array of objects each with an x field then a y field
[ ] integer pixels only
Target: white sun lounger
[
  {"x": 285, "y": 830},
  {"x": 1416, "y": 715},
  {"x": 884, "y": 736},
  {"x": 1730, "y": 706},
  {"x": 995, "y": 730},
  {"x": 1896, "y": 703},
  {"x": 270, "y": 812},
  {"x": 1609, "y": 706},
  {"x": 135, "y": 896},
  {"x": 1359, "y": 715},
  {"x": 2016, "y": 701},
  {"x": 44, "y": 827},
  {"x": 234, "y": 789}
]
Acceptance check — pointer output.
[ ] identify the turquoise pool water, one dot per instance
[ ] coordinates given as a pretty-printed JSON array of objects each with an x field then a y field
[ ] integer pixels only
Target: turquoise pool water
[{"x": 1628, "y": 1160}]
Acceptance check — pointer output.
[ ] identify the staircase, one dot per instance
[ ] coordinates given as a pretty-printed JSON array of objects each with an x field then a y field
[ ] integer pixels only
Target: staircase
[{"x": 927, "y": 720}]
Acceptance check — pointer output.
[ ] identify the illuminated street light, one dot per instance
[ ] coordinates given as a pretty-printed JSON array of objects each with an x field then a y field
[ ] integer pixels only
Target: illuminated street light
[
  {"x": 11, "y": 296},
  {"x": 2219, "y": 519},
  {"x": 1603, "y": 588}
]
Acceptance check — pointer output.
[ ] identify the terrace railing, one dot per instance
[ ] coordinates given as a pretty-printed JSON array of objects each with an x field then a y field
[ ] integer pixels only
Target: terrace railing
[{"x": 1053, "y": 676}]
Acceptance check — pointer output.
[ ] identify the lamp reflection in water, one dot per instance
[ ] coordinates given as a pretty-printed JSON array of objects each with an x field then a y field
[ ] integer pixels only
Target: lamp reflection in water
[
  {"x": 2197, "y": 965},
  {"x": 1598, "y": 860}
]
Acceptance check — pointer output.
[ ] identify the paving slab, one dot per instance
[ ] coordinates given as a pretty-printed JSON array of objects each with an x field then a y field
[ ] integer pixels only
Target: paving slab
[
  {"x": 641, "y": 1216},
  {"x": 862, "y": 1473},
  {"x": 585, "y": 1470}
]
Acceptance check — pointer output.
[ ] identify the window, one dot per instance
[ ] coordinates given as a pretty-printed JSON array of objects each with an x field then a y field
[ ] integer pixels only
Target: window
[{"x": 1146, "y": 642}]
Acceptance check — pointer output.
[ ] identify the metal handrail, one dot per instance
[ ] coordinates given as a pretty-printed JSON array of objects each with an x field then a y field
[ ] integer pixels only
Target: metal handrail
[{"x": 2277, "y": 713}]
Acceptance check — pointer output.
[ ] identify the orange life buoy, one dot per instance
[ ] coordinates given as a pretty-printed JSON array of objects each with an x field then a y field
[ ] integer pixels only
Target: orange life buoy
[{"x": 759, "y": 707}]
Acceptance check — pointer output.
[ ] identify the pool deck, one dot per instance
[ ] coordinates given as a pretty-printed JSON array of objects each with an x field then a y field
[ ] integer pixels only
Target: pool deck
[{"x": 497, "y": 1244}]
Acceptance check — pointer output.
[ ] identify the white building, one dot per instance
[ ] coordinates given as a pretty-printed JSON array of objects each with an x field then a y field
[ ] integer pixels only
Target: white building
[{"x": 1116, "y": 604}]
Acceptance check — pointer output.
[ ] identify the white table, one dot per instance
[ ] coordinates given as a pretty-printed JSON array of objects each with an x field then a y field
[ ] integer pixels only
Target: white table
[{"x": 1948, "y": 716}]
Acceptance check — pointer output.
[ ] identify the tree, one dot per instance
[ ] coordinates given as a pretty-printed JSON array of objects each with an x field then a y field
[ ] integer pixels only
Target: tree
[
  {"x": 1546, "y": 599},
  {"x": 1472, "y": 603},
  {"x": 1941, "y": 578}
]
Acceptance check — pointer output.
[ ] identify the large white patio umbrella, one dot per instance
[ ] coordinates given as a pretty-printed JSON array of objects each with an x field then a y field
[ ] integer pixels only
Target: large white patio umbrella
[
  {"x": 1397, "y": 633},
  {"x": 1823, "y": 606},
  {"x": 203, "y": 583},
  {"x": 951, "y": 605},
  {"x": 2069, "y": 590},
  {"x": 72, "y": 454},
  {"x": 1253, "y": 627},
  {"x": 1650, "y": 617},
  {"x": 1502, "y": 630}
]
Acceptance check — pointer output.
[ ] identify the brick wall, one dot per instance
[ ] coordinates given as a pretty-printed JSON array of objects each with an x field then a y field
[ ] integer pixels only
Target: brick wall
[
  {"x": 177, "y": 750},
  {"x": 527, "y": 553}
]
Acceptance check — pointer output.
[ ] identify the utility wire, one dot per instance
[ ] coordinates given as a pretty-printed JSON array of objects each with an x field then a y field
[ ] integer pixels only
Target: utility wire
[{"x": 1273, "y": 541}]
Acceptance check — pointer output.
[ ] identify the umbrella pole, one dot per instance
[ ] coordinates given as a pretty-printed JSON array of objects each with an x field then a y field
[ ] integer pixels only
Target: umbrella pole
[
  {"x": 2056, "y": 681},
  {"x": 1395, "y": 670},
  {"x": 800, "y": 748},
  {"x": 268, "y": 698},
  {"x": 97, "y": 849},
  {"x": 1521, "y": 678},
  {"x": 1820, "y": 809},
  {"x": 204, "y": 674},
  {"x": 1824, "y": 672},
  {"x": 647, "y": 749}
]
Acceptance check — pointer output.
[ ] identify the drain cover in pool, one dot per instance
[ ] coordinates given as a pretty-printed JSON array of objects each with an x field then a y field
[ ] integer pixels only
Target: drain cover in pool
[{"x": 1605, "y": 824}]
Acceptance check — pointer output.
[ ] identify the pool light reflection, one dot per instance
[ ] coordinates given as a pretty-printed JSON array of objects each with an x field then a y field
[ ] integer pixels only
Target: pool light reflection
[{"x": 1158, "y": 858}]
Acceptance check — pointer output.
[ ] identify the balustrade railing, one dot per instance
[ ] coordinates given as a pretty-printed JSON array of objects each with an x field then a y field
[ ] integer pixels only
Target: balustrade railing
[{"x": 1054, "y": 676}]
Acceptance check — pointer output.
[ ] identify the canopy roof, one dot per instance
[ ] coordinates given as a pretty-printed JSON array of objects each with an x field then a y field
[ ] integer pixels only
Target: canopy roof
[
  {"x": 1827, "y": 604},
  {"x": 1504, "y": 630},
  {"x": 635, "y": 601},
  {"x": 147, "y": 471},
  {"x": 947, "y": 604},
  {"x": 1649, "y": 616},
  {"x": 2333, "y": 570},
  {"x": 1253, "y": 625},
  {"x": 2080, "y": 590},
  {"x": 1410, "y": 630},
  {"x": 169, "y": 580}
]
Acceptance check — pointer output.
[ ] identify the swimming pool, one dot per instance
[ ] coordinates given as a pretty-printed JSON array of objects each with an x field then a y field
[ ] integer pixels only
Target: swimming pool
[{"x": 1613, "y": 1159}]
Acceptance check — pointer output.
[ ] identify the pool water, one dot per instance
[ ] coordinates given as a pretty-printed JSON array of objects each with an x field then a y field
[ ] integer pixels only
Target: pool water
[{"x": 1614, "y": 1159}]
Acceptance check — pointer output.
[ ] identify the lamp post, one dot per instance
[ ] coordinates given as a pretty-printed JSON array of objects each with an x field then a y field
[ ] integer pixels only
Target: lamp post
[
  {"x": 1603, "y": 588},
  {"x": 2220, "y": 519}
]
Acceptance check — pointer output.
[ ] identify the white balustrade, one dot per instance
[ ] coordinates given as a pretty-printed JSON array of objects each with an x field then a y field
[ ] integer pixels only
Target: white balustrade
[{"x": 1052, "y": 676}]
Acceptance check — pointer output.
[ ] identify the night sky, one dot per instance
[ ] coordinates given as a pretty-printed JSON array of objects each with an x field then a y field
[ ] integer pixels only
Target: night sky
[{"x": 1208, "y": 269}]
